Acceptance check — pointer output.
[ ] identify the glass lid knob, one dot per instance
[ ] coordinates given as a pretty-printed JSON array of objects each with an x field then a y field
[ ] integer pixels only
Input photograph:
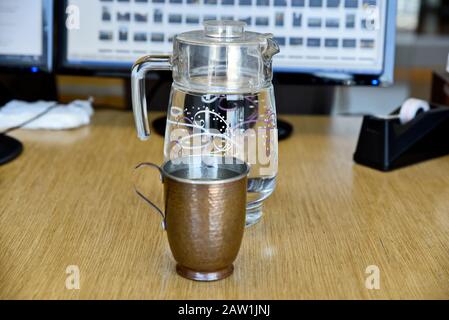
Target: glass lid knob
[{"x": 224, "y": 28}]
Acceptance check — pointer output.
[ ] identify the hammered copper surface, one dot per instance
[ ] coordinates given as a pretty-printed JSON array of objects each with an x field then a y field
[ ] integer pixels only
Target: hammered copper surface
[{"x": 205, "y": 224}]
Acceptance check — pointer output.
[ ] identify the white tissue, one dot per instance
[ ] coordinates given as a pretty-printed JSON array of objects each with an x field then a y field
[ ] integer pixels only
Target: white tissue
[{"x": 70, "y": 116}]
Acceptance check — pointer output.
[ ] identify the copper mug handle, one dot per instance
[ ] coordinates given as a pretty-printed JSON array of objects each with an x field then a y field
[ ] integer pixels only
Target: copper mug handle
[{"x": 148, "y": 201}]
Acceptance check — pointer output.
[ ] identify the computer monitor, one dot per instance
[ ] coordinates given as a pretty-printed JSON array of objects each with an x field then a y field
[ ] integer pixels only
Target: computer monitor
[
  {"x": 26, "y": 35},
  {"x": 26, "y": 44},
  {"x": 345, "y": 42}
]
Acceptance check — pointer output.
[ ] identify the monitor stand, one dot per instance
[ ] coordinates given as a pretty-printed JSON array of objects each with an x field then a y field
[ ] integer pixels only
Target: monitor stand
[
  {"x": 27, "y": 87},
  {"x": 159, "y": 125},
  {"x": 10, "y": 149},
  {"x": 285, "y": 129}
]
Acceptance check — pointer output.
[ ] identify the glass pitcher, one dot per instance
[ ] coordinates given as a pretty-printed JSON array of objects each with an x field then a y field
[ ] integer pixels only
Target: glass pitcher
[{"x": 221, "y": 102}]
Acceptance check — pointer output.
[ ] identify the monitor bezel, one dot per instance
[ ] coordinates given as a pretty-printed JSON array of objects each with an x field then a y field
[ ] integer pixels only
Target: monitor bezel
[
  {"x": 386, "y": 78},
  {"x": 47, "y": 62}
]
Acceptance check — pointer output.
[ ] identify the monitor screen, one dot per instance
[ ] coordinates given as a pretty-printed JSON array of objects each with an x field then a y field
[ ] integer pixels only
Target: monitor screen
[
  {"x": 26, "y": 34},
  {"x": 329, "y": 38}
]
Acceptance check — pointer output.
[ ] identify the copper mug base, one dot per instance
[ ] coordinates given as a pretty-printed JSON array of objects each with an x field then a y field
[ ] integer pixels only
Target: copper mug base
[
  {"x": 204, "y": 276},
  {"x": 204, "y": 216}
]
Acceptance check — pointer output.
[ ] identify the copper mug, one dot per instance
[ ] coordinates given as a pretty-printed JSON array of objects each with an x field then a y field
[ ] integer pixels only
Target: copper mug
[{"x": 204, "y": 216}]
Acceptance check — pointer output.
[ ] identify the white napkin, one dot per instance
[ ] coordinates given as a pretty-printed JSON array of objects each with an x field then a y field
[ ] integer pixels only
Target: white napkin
[{"x": 70, "y": 116}]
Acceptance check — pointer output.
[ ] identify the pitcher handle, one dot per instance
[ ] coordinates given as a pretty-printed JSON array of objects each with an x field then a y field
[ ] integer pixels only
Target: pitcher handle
[
  {"x": 148, "y": 201},
  {"x": 138, "y": 96}
]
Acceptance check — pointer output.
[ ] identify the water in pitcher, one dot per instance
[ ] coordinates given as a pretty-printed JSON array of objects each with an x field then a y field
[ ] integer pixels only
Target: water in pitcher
[{"x": 239, "y": 125}]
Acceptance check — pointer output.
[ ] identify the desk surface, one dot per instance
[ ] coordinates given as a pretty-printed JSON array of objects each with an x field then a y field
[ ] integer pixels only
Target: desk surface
[{"x": 68, "y": 200}]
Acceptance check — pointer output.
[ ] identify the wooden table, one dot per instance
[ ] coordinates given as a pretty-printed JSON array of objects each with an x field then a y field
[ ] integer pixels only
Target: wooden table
[{"x": 68, "y": 200}]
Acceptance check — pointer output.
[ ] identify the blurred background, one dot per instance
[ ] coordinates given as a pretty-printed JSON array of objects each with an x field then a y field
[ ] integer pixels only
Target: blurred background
[{"x": 422, "y": 45}]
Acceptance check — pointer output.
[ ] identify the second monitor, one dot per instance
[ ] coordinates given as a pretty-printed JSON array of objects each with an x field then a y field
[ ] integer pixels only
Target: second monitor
[{"x": 26, "y": 35}]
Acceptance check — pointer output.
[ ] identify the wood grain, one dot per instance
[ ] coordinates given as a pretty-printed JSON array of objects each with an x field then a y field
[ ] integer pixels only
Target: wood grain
[{"x": 68, "y": 200}]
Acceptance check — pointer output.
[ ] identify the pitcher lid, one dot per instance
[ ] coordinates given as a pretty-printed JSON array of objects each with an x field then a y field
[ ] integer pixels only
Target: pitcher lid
[
  {"x": 223, "y": 58},
  {"x": 223, "y": 32}
]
